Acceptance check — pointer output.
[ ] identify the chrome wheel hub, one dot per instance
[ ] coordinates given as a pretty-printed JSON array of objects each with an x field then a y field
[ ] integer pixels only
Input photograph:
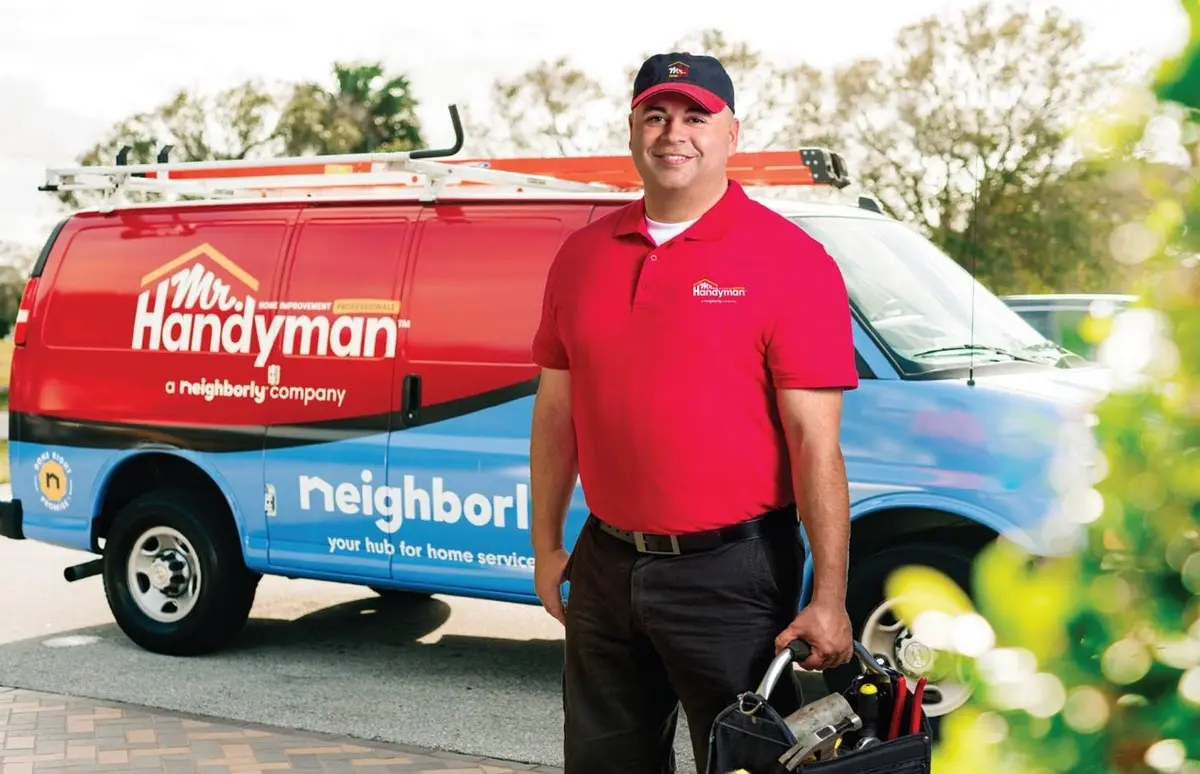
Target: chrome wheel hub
[
  {"x": 914, "y": 657},
  {"x": 164, "y": 574},
  {"x": 888, "y": 639}
]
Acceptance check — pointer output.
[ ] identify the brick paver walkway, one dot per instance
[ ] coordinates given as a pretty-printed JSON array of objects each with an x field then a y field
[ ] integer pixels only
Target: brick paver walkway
[{"x": 42, "y": 733}]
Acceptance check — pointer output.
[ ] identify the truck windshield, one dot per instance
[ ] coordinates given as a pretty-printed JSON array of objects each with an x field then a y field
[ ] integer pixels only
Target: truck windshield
[{"x": 918, "y": 299}]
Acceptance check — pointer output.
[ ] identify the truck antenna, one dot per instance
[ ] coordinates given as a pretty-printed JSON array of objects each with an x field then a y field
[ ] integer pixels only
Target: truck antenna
[{"x": 972, "y": 241}]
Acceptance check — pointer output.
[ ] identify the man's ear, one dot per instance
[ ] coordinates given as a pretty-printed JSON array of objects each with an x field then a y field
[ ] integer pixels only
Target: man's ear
[
  {"x": 735, "y": 127},
  {"x": 629, "y": 143}
]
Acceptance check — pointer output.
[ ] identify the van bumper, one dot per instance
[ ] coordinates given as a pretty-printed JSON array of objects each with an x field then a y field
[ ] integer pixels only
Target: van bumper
[{"x": 10, "y": 520}]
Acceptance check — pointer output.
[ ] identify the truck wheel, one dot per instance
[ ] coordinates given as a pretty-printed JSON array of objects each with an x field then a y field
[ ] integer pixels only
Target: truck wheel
[
  {"x": 174, "y": 575},
  {"x": 876, "y": 625}
]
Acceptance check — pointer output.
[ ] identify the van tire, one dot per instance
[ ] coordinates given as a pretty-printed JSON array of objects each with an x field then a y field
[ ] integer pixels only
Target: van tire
[
  {"x": 205, "y": 539},
  {"x": 865, "y": 593}
]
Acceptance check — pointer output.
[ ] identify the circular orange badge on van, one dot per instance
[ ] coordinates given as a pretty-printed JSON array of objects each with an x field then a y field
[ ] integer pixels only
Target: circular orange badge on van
[{"x": 53, "y": 480}]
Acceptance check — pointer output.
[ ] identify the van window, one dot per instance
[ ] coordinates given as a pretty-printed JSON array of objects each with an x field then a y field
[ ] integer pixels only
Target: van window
[{"x": 916, "y": 298}]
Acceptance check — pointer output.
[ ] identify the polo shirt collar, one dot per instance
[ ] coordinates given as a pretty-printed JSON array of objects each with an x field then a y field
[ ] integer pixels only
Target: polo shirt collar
[{"x": 712, "y": 225}]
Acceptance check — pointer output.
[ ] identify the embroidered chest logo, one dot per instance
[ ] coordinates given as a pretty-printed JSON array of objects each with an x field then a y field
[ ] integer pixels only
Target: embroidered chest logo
[{"x": 710, "y": 292}]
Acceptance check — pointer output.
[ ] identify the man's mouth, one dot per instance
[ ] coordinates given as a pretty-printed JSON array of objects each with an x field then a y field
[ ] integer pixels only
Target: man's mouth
[{"x": 673, "y": 159}]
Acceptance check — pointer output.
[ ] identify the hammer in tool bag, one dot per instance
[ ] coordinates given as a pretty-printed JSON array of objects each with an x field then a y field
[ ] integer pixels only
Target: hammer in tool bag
[{"x": 818, "y": 727}]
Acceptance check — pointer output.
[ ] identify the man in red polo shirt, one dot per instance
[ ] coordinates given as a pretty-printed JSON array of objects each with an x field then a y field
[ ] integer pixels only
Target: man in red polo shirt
[{"x": 694, "y": 346}]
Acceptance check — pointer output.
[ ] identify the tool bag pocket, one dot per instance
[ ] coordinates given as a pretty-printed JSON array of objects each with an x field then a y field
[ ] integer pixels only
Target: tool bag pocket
[
  {"x": 749, "y": 735},
  {"x": 908, "y": 754}
]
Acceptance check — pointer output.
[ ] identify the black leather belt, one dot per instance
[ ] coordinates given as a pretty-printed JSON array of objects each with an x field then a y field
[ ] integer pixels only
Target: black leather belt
[{"x": 694, "y": 542}]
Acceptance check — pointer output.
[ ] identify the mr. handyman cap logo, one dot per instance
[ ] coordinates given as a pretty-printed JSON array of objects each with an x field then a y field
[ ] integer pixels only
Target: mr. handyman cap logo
[
  {"x": 710, "y": 292},
  {"x": 678, "y": 69}
]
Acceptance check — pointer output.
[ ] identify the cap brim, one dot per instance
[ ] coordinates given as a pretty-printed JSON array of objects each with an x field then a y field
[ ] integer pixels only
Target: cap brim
[{"x": 702, "y": 97}]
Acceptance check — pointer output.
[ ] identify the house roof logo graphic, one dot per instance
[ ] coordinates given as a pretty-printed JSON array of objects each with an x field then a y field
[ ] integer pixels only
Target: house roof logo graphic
[
  {"x": 707, "y": 289},
  {"x": 214, "y": 255}
]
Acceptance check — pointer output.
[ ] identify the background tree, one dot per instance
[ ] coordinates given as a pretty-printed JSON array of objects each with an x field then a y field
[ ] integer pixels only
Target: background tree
[
  {"x": 965, "y": 130},
  {"x": 235, "y": 123},
  {"x": 553, "y": 109},
  {"x": 982, "y": 104},
  {"x": 15, "y": 262},
  {"x": 367, "y": 110},
  {"x": 1098, "y": 668},
  {"x": 556, "y": 108}
]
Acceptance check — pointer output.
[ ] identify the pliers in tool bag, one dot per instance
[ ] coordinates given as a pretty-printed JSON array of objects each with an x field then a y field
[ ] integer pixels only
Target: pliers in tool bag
[{"x": 914, "y": 707}]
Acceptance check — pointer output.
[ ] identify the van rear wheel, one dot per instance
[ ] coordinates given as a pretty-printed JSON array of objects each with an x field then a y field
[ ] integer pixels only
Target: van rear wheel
[
  {"x": 874, "y": 623},
  {"x": 173, "y": 573}
]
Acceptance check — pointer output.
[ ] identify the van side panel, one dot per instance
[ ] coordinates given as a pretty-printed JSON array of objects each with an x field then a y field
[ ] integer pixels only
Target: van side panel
[
  {"x": 460, "y": 469},
  {"x": 144, "y": 319},
  {"x": 334, "y": 365}
]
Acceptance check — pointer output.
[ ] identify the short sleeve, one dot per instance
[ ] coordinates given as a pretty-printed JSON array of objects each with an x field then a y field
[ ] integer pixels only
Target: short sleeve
[
  {"x": 810, "y": 341},
  {"x": 548, "y": 350}
]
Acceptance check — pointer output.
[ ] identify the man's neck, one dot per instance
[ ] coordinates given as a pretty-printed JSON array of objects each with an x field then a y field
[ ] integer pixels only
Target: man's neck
[{"x": 680, "y": 206}]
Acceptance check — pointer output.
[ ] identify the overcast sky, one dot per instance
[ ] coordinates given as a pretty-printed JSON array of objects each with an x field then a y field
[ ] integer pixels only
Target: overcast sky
[{"x": 70, "y": 68}]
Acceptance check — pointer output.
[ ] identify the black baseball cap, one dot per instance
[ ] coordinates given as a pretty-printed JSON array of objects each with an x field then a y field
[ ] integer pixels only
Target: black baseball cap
[{"x": 701, "y": 78}]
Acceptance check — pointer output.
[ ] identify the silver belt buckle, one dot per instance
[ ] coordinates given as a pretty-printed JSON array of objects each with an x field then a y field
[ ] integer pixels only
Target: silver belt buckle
[{"x": 639, "y": 540}]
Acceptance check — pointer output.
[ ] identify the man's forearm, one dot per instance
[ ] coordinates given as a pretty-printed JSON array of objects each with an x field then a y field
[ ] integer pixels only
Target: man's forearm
[
  {"x": 824, "y": 503},
  {"x": 553, "y": 462}
]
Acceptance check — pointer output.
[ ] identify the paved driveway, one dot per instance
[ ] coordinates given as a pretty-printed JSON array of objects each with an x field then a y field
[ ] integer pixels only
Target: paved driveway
[{"x": 48, "y": 732}]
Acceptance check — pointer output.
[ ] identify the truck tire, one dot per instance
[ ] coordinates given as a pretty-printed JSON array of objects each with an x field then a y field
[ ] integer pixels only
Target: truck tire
[
  {"x": 869, "y": 619},
  {"x": 174, "y": 575}
]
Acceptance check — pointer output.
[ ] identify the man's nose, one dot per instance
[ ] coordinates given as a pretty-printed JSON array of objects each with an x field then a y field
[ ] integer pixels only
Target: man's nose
[{"x": 676, "y": 129}]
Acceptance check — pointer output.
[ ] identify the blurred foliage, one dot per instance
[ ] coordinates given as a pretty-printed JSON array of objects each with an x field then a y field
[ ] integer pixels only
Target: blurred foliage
[
  {"x": 366, "y": 113},
  {"x": 15, "y": 262},
  {"x": 365, "y": 110},
  {"x": 1094, "y": 661}
]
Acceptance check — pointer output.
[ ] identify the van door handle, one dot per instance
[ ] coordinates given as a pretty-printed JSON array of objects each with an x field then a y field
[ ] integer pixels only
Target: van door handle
[{"x": 411, "y": 396}]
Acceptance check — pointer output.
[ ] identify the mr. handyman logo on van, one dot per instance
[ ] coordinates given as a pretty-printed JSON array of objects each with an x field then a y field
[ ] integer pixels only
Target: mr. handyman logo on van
[
  {"x": 186, "y": 307},
  {"x": 710, "y": 292}
]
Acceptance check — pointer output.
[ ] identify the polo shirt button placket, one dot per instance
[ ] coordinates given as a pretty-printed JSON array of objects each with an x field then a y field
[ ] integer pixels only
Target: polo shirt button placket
[{"x": 644, "y": 292}]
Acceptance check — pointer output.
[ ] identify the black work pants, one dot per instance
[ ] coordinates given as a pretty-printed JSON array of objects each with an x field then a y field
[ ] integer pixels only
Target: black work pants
[{"x": 647, "y": 634}]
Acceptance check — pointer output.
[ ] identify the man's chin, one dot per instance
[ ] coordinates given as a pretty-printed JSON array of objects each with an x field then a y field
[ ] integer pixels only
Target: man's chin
[{"x": 672, "y": 179}]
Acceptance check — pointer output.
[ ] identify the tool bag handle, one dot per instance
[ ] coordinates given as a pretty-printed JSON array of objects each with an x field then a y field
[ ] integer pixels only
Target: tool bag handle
[{"x": 796, "y": 652}]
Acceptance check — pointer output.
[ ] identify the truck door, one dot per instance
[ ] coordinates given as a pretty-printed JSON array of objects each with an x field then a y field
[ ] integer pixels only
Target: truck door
[
  {"x": 339, "y": 326},
  {"x": 459, "y": 467}
]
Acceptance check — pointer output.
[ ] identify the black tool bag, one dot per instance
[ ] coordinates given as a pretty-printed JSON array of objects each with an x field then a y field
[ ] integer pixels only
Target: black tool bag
[{"x": 749, "y": 735}]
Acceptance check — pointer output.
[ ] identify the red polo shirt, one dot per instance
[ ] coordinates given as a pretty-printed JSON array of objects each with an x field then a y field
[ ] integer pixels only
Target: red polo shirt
[{"x": 675, "y": 352}]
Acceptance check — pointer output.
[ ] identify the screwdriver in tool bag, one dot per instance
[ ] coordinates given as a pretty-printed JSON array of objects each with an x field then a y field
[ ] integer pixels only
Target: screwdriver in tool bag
[{"x": 868, "y": 710}]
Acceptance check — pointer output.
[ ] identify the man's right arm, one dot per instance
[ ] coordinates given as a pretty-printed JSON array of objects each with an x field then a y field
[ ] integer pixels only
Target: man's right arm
[{"x": 553, "y": 460}]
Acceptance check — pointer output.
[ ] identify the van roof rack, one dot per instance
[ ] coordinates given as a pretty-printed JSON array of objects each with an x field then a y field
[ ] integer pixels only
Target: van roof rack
[{"x": 417, "y": 169}]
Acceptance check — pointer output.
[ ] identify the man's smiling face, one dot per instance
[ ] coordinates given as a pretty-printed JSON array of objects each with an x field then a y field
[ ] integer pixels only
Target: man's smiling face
[{"x": 676, "y": 144}]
